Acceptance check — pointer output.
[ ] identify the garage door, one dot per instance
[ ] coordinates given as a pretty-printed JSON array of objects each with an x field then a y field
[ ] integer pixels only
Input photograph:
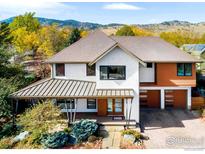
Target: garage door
[
  {"x": 150, "y": 98},
  {"x": 176, "y": 99}
]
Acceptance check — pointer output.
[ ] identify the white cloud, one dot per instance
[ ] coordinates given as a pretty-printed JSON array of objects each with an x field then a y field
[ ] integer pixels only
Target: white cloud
[
  {"x": 121, "y": 6},
  {"x": 43, "y": 8}
]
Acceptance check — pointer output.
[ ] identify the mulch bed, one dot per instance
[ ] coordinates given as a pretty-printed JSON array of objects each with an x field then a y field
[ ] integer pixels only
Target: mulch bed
[{"x": 87, "y": 145}]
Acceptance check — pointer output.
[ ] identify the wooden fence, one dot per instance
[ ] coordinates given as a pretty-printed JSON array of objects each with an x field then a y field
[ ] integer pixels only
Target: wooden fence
[{"x": 198, "y": 102}]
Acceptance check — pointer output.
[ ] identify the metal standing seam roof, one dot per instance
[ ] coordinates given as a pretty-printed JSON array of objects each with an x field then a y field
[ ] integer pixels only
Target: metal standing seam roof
[{"x": 66, "y": 88}]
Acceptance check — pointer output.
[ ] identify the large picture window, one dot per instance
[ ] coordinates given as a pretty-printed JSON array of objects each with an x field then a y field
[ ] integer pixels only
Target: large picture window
[
  {"x": 90, "y": 70},
  {"x": 184, "y": 69},
  {"x": 91, "y": 103},
  {"x": 60, "y": 69},
  {"x": 112, "y": 72}
]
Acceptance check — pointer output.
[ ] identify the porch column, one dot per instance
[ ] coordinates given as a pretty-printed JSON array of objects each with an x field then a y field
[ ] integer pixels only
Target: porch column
[
  {"x": 189, "y": 98},
  {"x": 162, "y": 104}
]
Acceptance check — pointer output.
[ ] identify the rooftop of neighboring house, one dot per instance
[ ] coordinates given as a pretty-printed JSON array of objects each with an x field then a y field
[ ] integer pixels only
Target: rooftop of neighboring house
[
  {"x": 197, "y": 48},
  {"x": 97, "y": 44}
]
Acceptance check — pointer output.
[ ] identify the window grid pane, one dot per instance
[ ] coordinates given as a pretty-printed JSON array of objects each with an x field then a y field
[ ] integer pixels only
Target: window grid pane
[
  {"x": 109, "y": 105},
  {"x": 60, "y": 70},
  {"x": 188, "y": 69},
  {"x": 180, "y": 69},
  {"x": 91, "y": 103},
  {"x": 90, "y": 70}
]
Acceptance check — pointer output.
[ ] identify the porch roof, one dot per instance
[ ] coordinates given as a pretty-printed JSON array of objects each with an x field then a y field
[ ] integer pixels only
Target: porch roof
[{"x": 66, "y": 88}]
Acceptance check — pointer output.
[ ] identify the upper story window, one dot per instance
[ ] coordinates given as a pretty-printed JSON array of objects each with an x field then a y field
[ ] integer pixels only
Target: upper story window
[
  {"x": 149, "y": 65},
  {"x": 90, "y": 70},
  {"x": 60, "y": 69},
  {"x": 184, "y": 69},
  {"x": 112, "y": 72}
]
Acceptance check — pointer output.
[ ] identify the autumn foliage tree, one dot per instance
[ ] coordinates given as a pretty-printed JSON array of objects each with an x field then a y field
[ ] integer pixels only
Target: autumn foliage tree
[
  {"x": 125, "y": 31},
  {"x": 180, "y": 37}
]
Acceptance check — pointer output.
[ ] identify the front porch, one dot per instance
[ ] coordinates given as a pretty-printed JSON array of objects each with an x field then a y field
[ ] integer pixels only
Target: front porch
[
  {"x": 113, "y": 106},
  {"x": 104, "y": 120}
]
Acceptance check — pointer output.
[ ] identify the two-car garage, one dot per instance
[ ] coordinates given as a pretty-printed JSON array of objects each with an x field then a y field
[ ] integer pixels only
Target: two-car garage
[{"x": 173, "y": 98}]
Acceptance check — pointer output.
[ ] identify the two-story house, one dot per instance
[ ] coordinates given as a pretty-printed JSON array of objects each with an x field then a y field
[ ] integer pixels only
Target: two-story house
[{"x": 116, "y": 75}]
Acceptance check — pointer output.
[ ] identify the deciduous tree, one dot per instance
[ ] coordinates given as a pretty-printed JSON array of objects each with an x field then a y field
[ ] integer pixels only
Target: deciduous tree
[{"x": 125, "y": 31}]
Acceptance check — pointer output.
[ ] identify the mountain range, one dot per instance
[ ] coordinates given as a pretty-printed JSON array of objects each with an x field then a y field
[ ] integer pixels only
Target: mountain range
[{"x": 157, "y": 27}]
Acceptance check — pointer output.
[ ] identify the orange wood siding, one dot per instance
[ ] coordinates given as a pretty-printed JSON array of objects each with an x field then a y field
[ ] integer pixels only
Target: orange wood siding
[
  {"x": 180, "y": 99},
  {"x": 166, "y": 75},
  {"x": 153, "y": 98},
  {"x": 102, "y": 107},
  {"x": 197, "y": 102}
]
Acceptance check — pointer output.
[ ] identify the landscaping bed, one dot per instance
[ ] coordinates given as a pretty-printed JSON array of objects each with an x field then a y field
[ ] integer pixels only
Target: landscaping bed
[
  {"x": 42, "y": 127},
  {"x": 132, "y": 139}
]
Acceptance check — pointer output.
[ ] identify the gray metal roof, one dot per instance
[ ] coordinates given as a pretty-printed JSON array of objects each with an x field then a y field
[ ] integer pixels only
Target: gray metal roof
[
  {"x": 147, "y": 49},
  {"x": 200, "y": 48},
  {"x": 64, "y": 88}
]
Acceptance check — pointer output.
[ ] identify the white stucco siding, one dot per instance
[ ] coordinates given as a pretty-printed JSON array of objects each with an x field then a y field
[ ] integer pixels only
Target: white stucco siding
[
  {"x": 76, "y": 72},
  {"x": 82, "y": 106},
  {"x": 118, "y": 57},
  {"x": 147, "y": 74}
]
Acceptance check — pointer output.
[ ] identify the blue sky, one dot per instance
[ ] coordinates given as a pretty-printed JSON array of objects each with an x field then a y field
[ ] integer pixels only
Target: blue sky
[{"x": 104, "y": 13}]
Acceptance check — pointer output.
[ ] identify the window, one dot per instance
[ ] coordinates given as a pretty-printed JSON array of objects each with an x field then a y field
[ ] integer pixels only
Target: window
[
  {"x": 90, "y": 70},
  {"x": 184, "y": 69},
  {"x": 149, "y": 65},
  {"x": 112, "y": 72},
  {"x": 60, "y": 69},
  {"x": 91, "y": 103},
  {"x": 62, "y": 105},
  {"x": 118, "y": 105},
  {"x": 109, "y": 105}
]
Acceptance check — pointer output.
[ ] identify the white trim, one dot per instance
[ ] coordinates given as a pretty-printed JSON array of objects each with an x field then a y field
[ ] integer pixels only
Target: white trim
[
  {"x": 189, "y": 98},
  {"x": 159, "y": 88},
  {"x": 162, "y": 96}
]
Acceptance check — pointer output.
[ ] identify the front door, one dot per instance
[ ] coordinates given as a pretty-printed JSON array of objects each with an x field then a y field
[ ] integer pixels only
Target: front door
[{"x": 115, "y": 106}]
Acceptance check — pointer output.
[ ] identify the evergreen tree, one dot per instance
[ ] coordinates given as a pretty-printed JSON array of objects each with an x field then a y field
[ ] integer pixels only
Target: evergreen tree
[
  {"x": 5, "y": 37},
  {"x": 74, "y": 36}
]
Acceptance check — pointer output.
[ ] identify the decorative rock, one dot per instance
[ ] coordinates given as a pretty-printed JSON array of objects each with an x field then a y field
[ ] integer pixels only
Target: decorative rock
[
  {"x": 129, "y": 138},
  {"x": 21, "y": 136}
]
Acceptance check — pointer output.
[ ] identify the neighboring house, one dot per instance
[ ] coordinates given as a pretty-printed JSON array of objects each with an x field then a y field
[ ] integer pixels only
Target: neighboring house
[
  {"x": 198, "y": 51},
  {"x": 112, "y": 75}
]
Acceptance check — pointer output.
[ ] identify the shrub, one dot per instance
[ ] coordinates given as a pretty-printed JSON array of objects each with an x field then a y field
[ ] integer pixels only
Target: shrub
[
  {"x": 202, "y": 113},
  {"x": 67, "y": 130},
  {"x": 38, "y": 120},
  {"x": 40, "y": 117},
  {"x": 57, "y": 140},
  {"x": 7, "y": 130},
  {"x": 135, "y": 133},
  {"x": 83, "y": 129},
  {"x": 6, "y": 143}
]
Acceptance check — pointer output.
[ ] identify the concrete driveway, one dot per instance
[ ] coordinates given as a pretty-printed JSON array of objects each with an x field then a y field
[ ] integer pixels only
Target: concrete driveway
[{"x": 173, "y": 129}]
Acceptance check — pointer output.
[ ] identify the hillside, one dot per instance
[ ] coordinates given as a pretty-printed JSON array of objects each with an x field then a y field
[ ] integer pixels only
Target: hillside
[{"x": 111, "y": 28}]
